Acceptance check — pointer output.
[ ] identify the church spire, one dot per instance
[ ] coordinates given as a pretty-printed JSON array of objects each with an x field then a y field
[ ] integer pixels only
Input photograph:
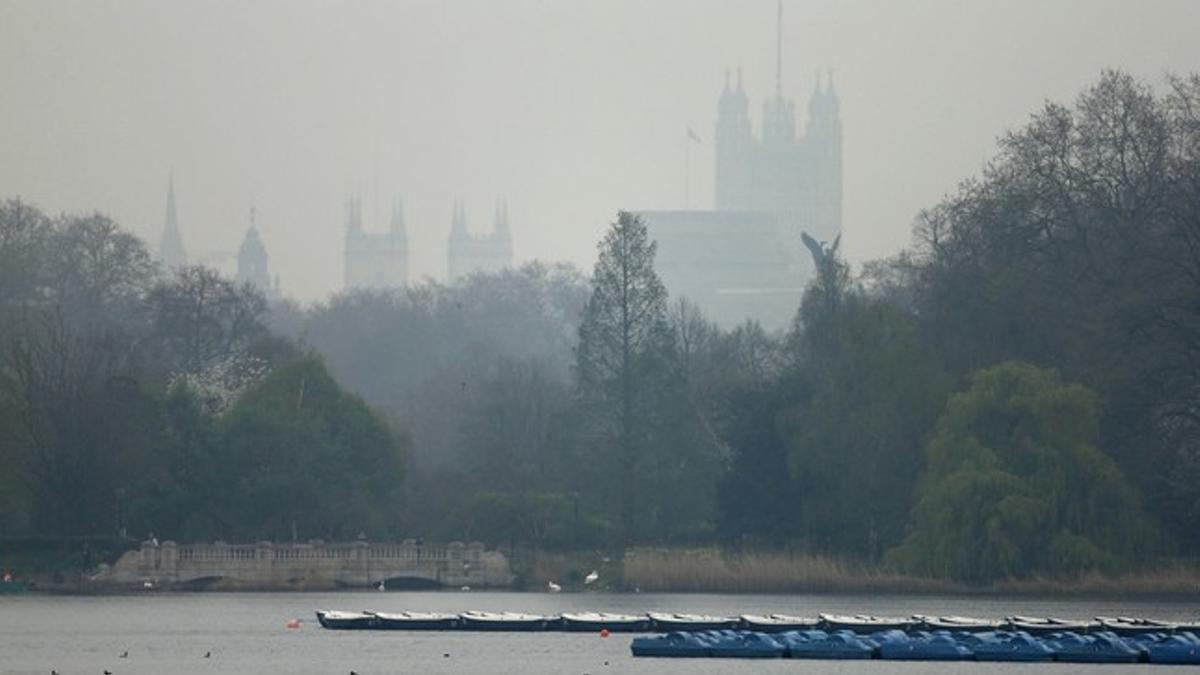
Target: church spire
[{"x": 170, "y": 247}]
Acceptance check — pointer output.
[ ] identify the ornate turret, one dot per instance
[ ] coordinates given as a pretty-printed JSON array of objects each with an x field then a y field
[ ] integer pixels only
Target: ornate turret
[
  {"x": 252, "y": 260},
  {"x": 734, "y": 142}
]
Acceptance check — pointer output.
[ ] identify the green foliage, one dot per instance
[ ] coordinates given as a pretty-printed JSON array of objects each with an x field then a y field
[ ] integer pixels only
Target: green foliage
[
  {"x": 1014, "y": 486},
  {"x": 1076, "y": 247},
  {"x": 868, "y": 391},
  {"x": 304, "y": 454}
]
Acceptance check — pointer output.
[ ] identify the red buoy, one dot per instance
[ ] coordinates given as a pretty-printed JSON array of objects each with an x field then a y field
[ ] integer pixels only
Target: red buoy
[
  {"x": 603, "y": 632},
  {"x": 293, "y": 623}
]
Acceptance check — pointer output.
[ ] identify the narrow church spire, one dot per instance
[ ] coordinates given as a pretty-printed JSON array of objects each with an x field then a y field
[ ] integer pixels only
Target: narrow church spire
[{"x": 170, "y": 246}]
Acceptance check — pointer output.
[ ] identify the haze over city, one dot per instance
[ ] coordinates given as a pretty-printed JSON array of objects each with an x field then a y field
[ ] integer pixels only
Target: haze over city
[{"x": 569, "y": 110}]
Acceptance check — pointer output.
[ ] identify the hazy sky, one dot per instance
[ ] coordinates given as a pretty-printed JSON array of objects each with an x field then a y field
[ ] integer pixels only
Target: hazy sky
[{"x": 570, "y": 110}]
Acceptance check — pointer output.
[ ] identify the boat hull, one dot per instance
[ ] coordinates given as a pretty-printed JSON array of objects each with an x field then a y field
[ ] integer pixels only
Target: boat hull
[
  {"x": 502, "y": 623},
  {"x": 580, "y": 623},
  {"x": 404, "y": 622},
  {"x": 683, "y": 622},
  {"x": 338, "y": 621}
]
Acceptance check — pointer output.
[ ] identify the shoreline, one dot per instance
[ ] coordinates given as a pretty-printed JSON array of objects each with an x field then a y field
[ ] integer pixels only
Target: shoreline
[{"x": 697, "y": 571}]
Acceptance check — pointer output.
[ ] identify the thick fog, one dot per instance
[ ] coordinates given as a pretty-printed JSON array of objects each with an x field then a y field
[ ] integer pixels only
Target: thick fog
[{"x": 569, "y": 110}]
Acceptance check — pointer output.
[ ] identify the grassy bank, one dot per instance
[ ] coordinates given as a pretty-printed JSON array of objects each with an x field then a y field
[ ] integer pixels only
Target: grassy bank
[{"x": 714, "y": 571}]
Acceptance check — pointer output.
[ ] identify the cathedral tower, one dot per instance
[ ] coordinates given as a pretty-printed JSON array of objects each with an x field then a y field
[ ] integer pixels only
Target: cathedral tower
[
  {"x": 467, "y": 253},
  {"x": 375, "y": 259}
]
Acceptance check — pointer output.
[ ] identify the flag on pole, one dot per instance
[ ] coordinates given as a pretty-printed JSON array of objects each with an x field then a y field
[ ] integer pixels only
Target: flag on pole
[{"x": 692, "y": 135}]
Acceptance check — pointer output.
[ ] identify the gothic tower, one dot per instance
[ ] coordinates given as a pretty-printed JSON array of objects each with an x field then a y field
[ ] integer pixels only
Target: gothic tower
[
  {"x": 170, "y": 245},
  {"x": 459, "y": 251},
  {"x": 797, "y": 178},
  {"x": 825, "y": 137},
  {"x": 467, "y": 253},
  {"x": 733, "y": 147},
  {"x": 252, "y": 260}
]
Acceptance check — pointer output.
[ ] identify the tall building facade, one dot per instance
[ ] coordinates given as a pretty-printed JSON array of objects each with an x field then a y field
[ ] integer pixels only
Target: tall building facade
[
  {"x": 780, "y": 171},
  {"x": 171, "y": 253},
  {"x": 467, "y": 252},
  {"x": 375, "y": 259},
  {"x": 744, "y": 259}
]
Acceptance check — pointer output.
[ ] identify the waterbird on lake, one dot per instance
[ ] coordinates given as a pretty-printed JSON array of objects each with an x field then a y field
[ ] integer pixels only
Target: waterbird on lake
[
  {"x": 591, "y": 578},
  {"x": 554, "y": 588},
  {"x": 125, "y": 654},
  {"x": 382, "y": 586},
  {"x": 207, "y": 655}
]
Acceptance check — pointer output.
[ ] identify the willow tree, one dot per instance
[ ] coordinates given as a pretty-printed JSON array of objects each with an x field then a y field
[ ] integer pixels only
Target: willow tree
[
  {"x": 623, "y": 338},
  {"x": 1014, "y": 486}
]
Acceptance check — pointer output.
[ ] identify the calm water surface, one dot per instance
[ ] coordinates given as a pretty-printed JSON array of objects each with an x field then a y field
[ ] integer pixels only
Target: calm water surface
[{"x": 169, "y": 633}]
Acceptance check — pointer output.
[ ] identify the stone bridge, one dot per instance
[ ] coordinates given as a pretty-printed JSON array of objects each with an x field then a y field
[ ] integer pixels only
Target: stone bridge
[{"x": 312, "y": 566}]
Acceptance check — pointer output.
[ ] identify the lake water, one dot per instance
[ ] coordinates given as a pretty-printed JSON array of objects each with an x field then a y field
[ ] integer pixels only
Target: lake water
[{"x": 246, "y": 633}]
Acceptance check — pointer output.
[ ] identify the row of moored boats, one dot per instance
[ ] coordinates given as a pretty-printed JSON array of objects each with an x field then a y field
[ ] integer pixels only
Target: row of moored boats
[
  {"x": 762, "y": 623},
  {"x": 920, "y": 645}
]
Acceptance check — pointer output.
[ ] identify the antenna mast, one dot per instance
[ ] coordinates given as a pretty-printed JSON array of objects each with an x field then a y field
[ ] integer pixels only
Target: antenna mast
[{"x": 779, "y": 53}]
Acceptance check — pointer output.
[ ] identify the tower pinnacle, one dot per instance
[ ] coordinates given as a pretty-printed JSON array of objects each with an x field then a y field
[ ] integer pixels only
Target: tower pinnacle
[{"x": 170, "y": 246}]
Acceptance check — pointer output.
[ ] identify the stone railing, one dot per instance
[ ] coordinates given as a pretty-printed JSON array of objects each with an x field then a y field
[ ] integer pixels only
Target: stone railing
[{"x": 316, "y": 564}]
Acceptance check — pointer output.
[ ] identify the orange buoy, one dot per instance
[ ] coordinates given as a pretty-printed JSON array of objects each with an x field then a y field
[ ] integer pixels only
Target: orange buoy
[
  {"x": 603, "y": 632},
  {"x": 293, "y": 623}
]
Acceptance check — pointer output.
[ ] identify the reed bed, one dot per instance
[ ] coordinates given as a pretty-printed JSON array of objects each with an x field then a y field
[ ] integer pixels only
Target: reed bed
[{"x": 711, "y": 570}]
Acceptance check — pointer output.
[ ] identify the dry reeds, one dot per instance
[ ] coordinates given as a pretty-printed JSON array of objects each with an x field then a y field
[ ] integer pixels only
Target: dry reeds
[{"x": 710, "y": 570}]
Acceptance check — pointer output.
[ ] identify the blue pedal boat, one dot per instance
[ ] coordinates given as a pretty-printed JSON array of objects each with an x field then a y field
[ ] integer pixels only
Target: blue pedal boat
[
  {"x": 818, "y": 644},
  {"x": 1100, "y": 647},
  {"x": 746, "y": 645},
  {"x": 1181, "y": 649},
  {"x": 1007, "y": 646},
  {"x": 923, "y": 646},
  {"x": 672, "y": 645}
]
